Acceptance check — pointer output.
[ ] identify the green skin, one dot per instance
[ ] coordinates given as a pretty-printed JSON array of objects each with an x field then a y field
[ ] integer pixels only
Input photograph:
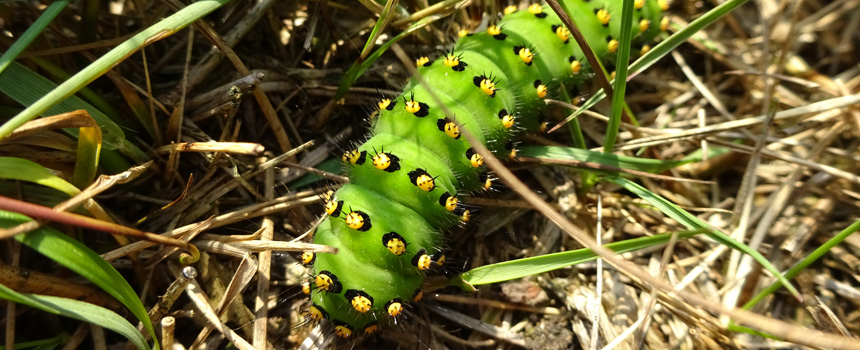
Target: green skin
[
  {"x": 390, "y": 199},
  {"x": 371, "y": 266},
  {"x": 391, "y": 185}
]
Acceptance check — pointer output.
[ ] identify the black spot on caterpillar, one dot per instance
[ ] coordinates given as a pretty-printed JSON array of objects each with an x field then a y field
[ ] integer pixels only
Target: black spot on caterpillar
[{"x": 405, "y": 196}]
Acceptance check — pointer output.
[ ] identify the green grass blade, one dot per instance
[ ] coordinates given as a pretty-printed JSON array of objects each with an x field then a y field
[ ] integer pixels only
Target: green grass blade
[
  {"x": 87, "y": 160},
  {"x": 57, "y": 74},
  {"x": 508, "y": 270},
  {"x": 79, "y": 258},
  {"x": 26, "y": 87},
  {"x": 384, "y": 18},
  {"x": 79, "y": 310},
  {"x": 50, "y": 343},
  {"x": 359, "y": 67},
  {"x": 675, "y": 40},
  {"x": 812, "y": 257},
  {"x": 694, "y": 223},
  {"x": 573, "y": 126},
  {"x": 160, "y": 30},
  {"x": 46, "y": 347},
  {"x": 620, "y": 82},
  {"x": 666, "y": 46},
  {"x": 113, "y": 162},
  {"x": 32, "y": 32},
  {"x": 609, "y": 159},
  {"x": 736, "y": 328},
  {"x": 25, "y": 170}
]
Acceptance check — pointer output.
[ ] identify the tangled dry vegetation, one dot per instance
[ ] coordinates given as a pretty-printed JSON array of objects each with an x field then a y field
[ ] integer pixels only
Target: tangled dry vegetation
[{"x": 265, "y": 73}]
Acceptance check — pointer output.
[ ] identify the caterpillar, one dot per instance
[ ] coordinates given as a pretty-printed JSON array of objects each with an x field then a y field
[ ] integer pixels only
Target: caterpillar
[{"x": 405, "y": 180}]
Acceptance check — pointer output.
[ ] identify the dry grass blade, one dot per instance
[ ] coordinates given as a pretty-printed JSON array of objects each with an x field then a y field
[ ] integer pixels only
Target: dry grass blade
[
  {"x": 817, "y": 107},
  {"x": 45, "y": 213},
  {"x": 202, "y": 302},
  {"x": 261, "y": 305},
  {"x": 781, "y": 329},
  {"x": 223, "y": 45},
  {"x": 85, "y": 197},
  {"x": 597, "y": 166},
  {"x": 488, "y": 329},
  {"x": 174, "y": 291},
  {"x": 246, "y": 270},
  {"x": 76, "y": 119},
  {"x": 34, "y": 282},
  {"x": 743, "y": 210},
  {"x": 226, "y": 147},
  {"x": 168, "y": 327},
  {"x": 495, "y": 304},
  {"x": 792, "y": 159},
  {"x": 580, "y": 40},
  {"x": 275, "y": 206}
]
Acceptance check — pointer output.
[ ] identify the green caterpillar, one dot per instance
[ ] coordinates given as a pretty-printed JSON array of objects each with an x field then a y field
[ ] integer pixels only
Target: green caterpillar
[{"x": 405, "y": 179}]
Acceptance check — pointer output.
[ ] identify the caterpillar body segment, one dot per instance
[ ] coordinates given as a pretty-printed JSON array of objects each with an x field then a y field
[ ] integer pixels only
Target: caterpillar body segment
[
  {"x": 373, "y": 273},
  {"x": 479, "y": 109},
  {"x": 399, "y": 186},
  {"x": 405, "y": 179},
  {"x": 388, "y": 217},
  {"x": 426, "y": 132}
]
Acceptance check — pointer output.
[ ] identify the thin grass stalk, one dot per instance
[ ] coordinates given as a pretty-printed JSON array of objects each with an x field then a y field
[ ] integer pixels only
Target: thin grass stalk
[{"x": 620, "y": 83}]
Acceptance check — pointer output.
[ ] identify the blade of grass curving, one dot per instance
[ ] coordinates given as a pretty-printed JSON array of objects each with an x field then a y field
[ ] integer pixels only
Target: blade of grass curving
[
  {"x": 359, "y": 67},
  {"x": 812, "y": 257},
  {"x": 713, "y": 151},
  {"x": 35, "y": 29},
  {"x": 513, "y": 269},
  {"x": 374, "y": 6},
  {"x": 46, "y": 347},
  {"x": 87, "y": 160},
  {"x": 384, "y": 18},
  {"x": 574, "y": 128},
  {"x": 609, "y": 159},
  {"x": 620, "y": 82},
  {"x": 78, "y": 310},
  {"x": 736, "y": 328},
  {"x": 692, "y": 222},
  {"x": 443, "y": 7},
  {"x": 37, "y": 194},
  {"x": 57, "y": 73},
  {"x": 26, "y": 87},
  {"x": 160, "y": 30},
  {"x": 663, "y": 49},
  {"x": 25, "y": 170},
  {"x": 49, "y": 343},
  {"x": 675, "y": 40},
  {"x": 138, "y": 108},
  {"x": 79, "y": 258},
  {"x": 36, "y": 85},
  {"x": 88, "y": 145}
]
